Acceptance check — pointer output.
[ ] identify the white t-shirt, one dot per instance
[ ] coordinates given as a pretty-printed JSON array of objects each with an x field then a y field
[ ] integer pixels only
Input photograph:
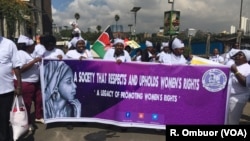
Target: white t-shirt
[
  {"x": 39, "y": 51},
  {"x": 32, "y": 74},
  {"x": 237, "y": 90},
  {"x": 53, "y": 54},
  {"x": 138, "y": 58},
  {"x": 173, "y": 59},
  {"x": 110, "y": 55},
  {"x": 8, "y": 61},
  {"x": 76, "y": 55},
  {"x": 162, "y": 58},
  {"x": 217, "y": 58}
]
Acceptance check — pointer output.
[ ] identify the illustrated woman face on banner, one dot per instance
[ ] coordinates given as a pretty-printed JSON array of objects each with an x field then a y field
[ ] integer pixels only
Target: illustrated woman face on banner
[
  {"x": 60, "y": 91},
  {"x": 67, "y": 87}
]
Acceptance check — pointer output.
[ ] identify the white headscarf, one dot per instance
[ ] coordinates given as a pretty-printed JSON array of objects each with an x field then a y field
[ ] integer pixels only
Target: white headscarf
[
  {"x": 118, "y": 40},
  {"x": 26, "y": 40},
  {"x": 75, "y": 40},
  {"x": 177, "y": 43},
  {"x": 245, "y": 51},
  {"x": 233, "y": 51},
  {"x": 73, "y": 23},
  {"x": 149, "y": 44},
  {"x": 247, "y": 54},
  {"x": 164, "y": 44}
]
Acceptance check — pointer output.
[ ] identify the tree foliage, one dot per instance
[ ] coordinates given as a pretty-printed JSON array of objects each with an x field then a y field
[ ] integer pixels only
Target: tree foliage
[
  {"x": 98, "y": 28},
  {"x": 77, "y": 16},
  {"x": 13, "y": 12}
]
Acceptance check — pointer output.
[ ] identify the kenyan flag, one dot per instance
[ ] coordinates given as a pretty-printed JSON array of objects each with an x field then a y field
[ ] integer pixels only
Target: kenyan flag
[{"x": 102, "y": 42}]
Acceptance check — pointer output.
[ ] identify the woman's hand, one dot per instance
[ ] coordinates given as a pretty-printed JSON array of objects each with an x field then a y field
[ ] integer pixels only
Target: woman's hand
[
  {"x": 77, "y": 107},
  {"x": 118, "y": 61},
  {"x": 38, "y": 59},
  {"x": 18, "y": 91},
  {"x": 82, "y": 57},
  {"x": 60, "y": 57},
  {"x": 234, "y": 68}
]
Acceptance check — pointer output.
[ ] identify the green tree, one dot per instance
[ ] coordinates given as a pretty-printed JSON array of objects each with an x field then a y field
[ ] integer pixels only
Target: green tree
[
  {"x": 77, "y": 16},
  {"x": 117, "y": 18},
  {"x": 98, "y": 28},
  {"x": 14, "y": 12}
]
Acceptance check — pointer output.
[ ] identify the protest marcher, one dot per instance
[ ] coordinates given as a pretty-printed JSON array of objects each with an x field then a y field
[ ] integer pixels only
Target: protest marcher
[
  {"x": 51, "y": 51},
  {"x": 30, "y": 75},
  {"x": 165, "y": 50},
  {"x": 227, "y": 56},
  {"x": 9, "y": 63},
  {"x": 128, "y": 49},
  {"x": 149, "y": 54},
  {"x": 76, "y": 36},
  {"x": 243, "y": 80},
  {"x": 80, "y": 52},
  {"x": 39, "y": 48},
  {"x": 216, "y": 56},
  {"x": 76, "y": 33},
  {"x": 137, "y": 56},
  {"x": 176, "y": 57},
  {"x": 239, "y": 94},
  {"x": 117, "y": 53},
  {"x": 75, "y": 29}
]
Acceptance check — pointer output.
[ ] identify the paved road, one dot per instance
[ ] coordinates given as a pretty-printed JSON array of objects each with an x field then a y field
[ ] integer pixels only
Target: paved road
[{"x": 101, "y": 132}]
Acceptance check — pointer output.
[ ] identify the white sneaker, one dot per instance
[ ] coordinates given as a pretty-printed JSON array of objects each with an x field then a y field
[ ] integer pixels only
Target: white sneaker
[{"x": 41, "y": 120}]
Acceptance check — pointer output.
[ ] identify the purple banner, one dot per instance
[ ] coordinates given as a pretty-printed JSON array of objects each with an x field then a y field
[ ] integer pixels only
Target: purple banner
[{"x": 134, "y": 94}]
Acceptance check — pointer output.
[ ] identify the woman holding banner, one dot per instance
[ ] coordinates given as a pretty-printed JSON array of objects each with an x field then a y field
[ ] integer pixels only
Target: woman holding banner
[
  {"x": 60, "y": 91},
  {"x": 239, "y": 94}
]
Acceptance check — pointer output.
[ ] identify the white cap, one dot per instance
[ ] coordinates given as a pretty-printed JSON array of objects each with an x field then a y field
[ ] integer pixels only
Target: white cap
[
  {"x": 177, "y": 43},
  {"x": 26, "y": 40},
  {"x": 164, "y": 44},
  {"x": 245, "y": 51},
  {"x": 73, "y": 23},
  {"x": 149, "y": 44},
  {"x": 247, "y": 54},
  {"x": 75, "y": 40},
  {"x": 118, "y": 40},
  {"x": 76, "y": 30},
  {"x": 233, "y": 51}
]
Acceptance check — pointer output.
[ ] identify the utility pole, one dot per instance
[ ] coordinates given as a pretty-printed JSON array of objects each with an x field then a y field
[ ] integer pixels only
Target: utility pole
[
  {"x": 239, "y": 32},
  {"x": 172, "y": 9},
  {"x": 135, "y": 10}
]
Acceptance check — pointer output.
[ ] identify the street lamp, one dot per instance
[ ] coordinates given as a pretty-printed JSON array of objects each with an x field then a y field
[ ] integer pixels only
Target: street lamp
[
  {"x": 135, "y": 10},
  {"x": 172, "y": 2},
  {"x": 240, "y": 30},
  {"x": 240, "y": 14}
]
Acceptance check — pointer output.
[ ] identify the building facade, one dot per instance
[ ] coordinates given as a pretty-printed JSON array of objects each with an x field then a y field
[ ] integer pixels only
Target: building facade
[{"x": 39, "y": 22}]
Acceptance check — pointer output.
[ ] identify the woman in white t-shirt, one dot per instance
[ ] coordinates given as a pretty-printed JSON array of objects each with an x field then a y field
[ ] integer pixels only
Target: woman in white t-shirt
[
  {"x": 80, "y": 52},
  {"x": 117, "y": 54},
  {"x": 30, "y": 78},
  {"x": 239, "y": 94},
  {"x": 51, "y": 51}
]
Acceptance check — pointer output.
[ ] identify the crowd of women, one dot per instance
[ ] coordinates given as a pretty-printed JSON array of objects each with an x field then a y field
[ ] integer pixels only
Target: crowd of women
[{"x": 29, "y": 55}]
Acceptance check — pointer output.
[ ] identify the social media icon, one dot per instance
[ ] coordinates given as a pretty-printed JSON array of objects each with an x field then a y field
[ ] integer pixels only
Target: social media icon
[
  {"x": 141, "y": 115},
  {"x": 128, "y": 115},
  {"x": 155, "y": 116}
]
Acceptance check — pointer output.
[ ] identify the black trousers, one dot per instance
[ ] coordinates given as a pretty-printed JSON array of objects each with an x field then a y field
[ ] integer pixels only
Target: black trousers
[{"x": 6, "y": 101}]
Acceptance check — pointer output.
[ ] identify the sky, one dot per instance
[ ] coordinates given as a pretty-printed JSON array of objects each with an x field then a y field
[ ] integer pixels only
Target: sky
[{"x": 213, "y": 16}]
